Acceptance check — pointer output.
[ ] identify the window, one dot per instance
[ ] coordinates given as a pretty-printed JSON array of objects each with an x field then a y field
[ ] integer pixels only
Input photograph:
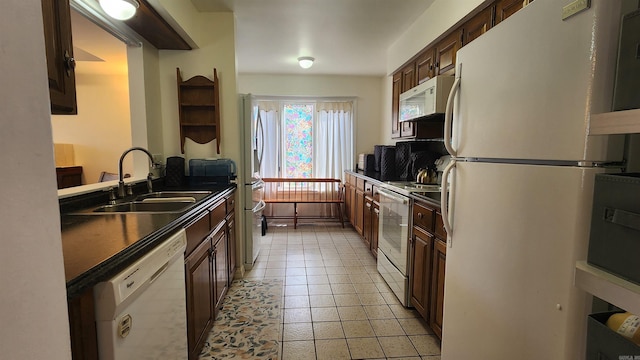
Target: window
[
  {"x": 307, "y": 138},
  {"x": 298, "y": 140}
]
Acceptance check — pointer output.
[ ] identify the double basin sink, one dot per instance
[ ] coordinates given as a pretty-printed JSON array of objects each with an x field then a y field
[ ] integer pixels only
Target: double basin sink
[{"x": 155, "y": 202}]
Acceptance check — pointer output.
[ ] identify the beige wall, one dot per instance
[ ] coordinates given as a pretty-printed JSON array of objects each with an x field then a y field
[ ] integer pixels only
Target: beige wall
[
  {"x": 33, "y": 306},
  {"x": 217, "y": 50},
  {"x": 102, "y": 129},
  {"x": 366, "y": 89}
]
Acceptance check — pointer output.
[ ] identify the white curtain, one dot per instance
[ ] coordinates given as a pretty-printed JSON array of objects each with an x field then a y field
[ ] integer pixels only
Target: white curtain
[
  {"x": 333, "y": 139},
  {"x": 271, "y": 125}
]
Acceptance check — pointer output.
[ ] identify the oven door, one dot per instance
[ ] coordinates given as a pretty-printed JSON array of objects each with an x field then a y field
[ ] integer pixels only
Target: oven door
[{"x": 394, "y": 228}]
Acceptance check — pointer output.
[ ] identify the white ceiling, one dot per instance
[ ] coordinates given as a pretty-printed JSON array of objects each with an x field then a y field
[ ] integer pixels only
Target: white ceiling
[{"x": 345, "y": 36}]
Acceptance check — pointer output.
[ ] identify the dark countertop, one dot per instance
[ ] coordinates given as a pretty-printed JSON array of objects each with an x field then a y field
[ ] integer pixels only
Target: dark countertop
[
  {"x": 97, "y": 247},
  {"x": 374, "y": 177}
]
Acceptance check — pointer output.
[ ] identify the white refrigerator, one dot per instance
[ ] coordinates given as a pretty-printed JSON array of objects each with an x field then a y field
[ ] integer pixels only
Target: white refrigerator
[
  {"x": 253, "y": 186},
  {"x": 520, "y": 186}
]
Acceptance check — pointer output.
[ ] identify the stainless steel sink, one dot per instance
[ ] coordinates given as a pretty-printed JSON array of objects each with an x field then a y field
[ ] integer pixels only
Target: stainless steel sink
[
  {"x": 197, "y": 195},
  {"x": 149, "y": 207},
  {"x": 152, "y": 203}
]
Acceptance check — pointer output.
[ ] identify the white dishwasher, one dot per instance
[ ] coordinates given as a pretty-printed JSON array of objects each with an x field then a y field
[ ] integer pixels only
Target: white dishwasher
[{"x": 141, "y": 312}]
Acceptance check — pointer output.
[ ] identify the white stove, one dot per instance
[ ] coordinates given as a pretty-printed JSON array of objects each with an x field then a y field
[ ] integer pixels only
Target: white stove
[{"x": 394, "y": 230}]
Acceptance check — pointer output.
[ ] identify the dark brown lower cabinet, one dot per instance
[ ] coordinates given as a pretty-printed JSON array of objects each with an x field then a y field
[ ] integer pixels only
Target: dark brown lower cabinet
[
  {"x": 220, "y": 265},
  {"x": 82, "y": 323},
  {"x": 358, "y": 203},
  {"x": 437, "y": 286},
  {"x": 367, "y": 221},
  {"x": 231, "y": 248},
  {"x": 421, "y": 256},
  {"x": 370, "y": 228},
  {"x": 199, "y": 272},
  {"x": 375, "y": 221}
]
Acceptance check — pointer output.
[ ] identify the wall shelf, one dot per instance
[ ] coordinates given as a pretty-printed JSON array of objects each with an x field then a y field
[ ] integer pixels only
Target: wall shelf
[
  {"x": 615, "y": 122},
  {"x": 199, "y": 111},
  {"x": 608, "y": 287}
]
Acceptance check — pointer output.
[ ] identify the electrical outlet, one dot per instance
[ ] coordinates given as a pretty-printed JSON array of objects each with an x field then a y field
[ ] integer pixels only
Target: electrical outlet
[{"x": 158, "y": 159}]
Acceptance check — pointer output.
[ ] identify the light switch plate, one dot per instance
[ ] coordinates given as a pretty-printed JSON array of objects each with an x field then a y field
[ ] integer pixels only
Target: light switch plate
[{"x": 574, "y": 8}]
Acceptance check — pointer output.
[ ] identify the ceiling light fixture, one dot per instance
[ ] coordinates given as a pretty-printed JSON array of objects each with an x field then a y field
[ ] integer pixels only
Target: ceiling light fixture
[
  {"x": 305, "y": 61},
  {"x": 119, "y": 9}
]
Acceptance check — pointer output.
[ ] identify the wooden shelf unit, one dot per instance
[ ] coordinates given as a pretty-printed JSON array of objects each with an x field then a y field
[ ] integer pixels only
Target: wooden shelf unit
[
  {"x": 608, "y": 287},
  {"x": 605, "y": 285},
  {"x": 199, "y": 110},
  {"x": 616, "y": 122}
]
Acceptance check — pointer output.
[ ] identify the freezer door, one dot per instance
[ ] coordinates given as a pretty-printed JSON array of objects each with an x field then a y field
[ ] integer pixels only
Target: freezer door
[
  {"x": 529, "y": 85},
  {"x": 517, "y": 233}
]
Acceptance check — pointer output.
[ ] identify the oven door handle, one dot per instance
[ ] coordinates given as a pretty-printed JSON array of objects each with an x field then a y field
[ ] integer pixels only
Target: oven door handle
[{"x": 397, "y": 198}]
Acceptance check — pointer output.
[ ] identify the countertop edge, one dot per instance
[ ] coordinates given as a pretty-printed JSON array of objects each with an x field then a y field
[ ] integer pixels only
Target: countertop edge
[{"x": 371, "y": 177}]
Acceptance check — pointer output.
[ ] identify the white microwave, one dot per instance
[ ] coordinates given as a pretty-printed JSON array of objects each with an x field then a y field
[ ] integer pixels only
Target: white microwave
[{"x": 425, "y": 100}]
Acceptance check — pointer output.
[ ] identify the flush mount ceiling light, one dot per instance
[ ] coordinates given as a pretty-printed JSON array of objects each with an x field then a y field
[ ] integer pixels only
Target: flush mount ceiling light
[
  {"x": 305, "y": 61},
  {"x": 119, "y": 9}
]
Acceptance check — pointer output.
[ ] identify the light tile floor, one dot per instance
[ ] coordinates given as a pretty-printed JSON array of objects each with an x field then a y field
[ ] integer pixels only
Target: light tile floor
[{"x": 336, "y": 305}]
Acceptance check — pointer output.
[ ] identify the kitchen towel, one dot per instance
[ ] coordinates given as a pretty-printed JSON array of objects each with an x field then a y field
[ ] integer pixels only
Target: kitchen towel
[
  {"x": 377, "y": 156},
  {"x": 388, "y": 163},
  {"x": 174, "y": 172}
]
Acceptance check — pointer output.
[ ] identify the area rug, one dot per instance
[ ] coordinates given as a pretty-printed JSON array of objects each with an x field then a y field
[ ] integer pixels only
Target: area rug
[{"x": 249, "y": 324}]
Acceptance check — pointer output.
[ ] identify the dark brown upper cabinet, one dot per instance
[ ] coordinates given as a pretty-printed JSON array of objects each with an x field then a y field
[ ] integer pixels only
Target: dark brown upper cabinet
[
  {"x": 506, "y": 8},
  {"x": 477, "y": 25},
  {"x": 395, "y": 104},
  {"x": 446, "y": 51},
  {"x": 425, "y": 65},
  {"x": 56, "y": 19}
]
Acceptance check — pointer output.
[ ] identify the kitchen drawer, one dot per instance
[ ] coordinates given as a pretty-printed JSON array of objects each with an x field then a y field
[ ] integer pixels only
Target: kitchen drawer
[
  {"x": 231, "y": 203},
  {"x": 196, "y": 231},
  {"x": 360, "y": 184},
  {"x": 368, "y": 188},
  {"x": 217, "y": 213},
  {"x": 440, "y": 231},
  {"x": 351, "y": 180},
  {"x": 423, "y": 217}
]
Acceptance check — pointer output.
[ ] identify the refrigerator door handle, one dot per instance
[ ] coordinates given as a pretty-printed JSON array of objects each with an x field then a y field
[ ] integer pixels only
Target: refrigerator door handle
[
  {"x": 444, "y": 206},
  {"x": 258, "y": 185},
  {"x": 259, "y": 207},
  {"x": 448, "y": 114}
]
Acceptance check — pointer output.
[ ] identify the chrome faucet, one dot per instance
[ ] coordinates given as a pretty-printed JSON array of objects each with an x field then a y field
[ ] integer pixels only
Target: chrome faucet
[{"x": 121, "y": 192}]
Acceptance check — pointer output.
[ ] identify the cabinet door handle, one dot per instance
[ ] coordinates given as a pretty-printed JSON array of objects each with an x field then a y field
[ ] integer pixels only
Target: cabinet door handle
[
  {"x": 69, "y": 62},
  {"x": 420, "y": 216}
]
